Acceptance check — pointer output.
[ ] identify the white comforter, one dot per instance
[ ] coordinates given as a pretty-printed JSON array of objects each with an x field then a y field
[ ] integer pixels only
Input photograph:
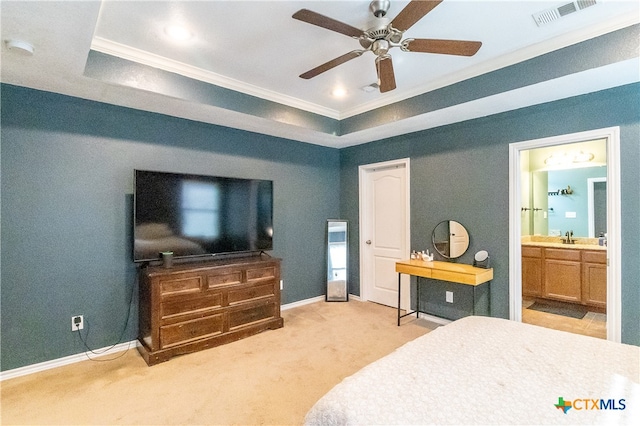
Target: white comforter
[{"x": 481, "y": 370}]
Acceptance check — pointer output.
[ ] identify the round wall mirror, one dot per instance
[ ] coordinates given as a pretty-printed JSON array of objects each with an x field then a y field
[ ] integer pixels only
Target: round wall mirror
[{"x": 450, "y": 239}]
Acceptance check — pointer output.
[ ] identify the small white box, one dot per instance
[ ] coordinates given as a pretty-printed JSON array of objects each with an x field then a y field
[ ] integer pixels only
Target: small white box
[{"x": 570, "y": 215}]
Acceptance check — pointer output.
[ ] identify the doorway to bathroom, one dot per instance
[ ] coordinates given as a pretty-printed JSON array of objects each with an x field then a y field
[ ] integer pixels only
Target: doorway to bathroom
[{"x": 562, "y": 275}]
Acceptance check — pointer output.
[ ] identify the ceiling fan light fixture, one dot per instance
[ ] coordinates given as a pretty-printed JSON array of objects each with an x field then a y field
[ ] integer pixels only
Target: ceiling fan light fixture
[{"x": 380, "y": 47}]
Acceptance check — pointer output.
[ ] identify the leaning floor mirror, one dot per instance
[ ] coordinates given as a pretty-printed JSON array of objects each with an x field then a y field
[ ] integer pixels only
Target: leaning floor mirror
[{"x": 337, "y": 260}]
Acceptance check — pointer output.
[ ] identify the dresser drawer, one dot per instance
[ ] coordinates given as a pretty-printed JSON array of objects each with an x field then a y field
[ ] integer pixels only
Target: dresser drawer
[
  {"x": 185, "y": 306},
  {"x": 180, "y": 285},
  {"x": 186, "y": 331},
  {"x": 224, "y": 279},
  {"x": 245, "y": 316},
  {"x": 251, "y": 292},
  {"x": 261, "y": 273}
]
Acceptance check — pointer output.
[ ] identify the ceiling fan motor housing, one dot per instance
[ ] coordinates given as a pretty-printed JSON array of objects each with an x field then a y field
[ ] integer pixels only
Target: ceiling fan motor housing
[{"x": 379, "y": 8}]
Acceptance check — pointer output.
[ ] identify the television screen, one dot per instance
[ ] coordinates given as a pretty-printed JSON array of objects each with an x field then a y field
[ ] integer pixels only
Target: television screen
[{"x": 194, "y": 215}]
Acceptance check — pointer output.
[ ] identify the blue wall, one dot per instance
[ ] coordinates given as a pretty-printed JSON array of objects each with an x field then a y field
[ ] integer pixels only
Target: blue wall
[
  {"x": 461, "y": 172},
  {"x": 576, "y": 202},
  {"x": 67, "y": 184},
  {"x": 66, "y": 176}
]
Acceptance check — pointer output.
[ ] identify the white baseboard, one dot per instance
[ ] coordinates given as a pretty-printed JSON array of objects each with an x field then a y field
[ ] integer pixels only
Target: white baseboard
[
  {"x": 437, "y": 320},
  {"x": 301, "y": 303},
  {"x": 312, "y": 300},
  {"x": 71, "y": 359}
]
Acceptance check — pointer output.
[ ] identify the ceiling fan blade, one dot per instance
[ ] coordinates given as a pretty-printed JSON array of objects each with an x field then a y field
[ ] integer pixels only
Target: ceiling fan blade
[
  {"x": 315, "y": 18},
  {"x": 386, "y": 76},
  {"x": 332, "y": 64},
  {"x": 412, "y": 13},
  {"x": 445, "y": 47}
]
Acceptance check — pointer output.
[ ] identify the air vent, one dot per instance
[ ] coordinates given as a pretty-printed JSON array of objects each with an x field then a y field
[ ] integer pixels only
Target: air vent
[
  {"x": 370, "y": 87},
  {"x": 549, "y": 15}
]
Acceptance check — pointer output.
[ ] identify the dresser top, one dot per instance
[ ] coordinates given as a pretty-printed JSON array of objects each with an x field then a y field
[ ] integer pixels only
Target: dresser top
[
  {"x": 445, "y": 271},
  {"x": 194, "y": 266}
]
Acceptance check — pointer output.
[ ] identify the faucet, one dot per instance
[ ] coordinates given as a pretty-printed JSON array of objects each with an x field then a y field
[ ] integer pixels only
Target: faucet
[{"x": 569, "y": 238}]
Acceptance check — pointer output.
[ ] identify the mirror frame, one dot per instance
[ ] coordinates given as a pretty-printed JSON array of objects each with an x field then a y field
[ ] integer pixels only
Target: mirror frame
[
  {"x": 337, "y": 289},
  {"x": 435, "y": 243}
]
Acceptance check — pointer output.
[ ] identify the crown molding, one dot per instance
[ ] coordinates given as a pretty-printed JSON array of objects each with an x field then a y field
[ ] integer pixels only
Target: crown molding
[
  {"x": 129, "y": 53},
  {"x": 136, "y": 55}
]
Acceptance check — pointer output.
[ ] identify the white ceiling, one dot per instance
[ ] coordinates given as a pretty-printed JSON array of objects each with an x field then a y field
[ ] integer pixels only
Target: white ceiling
[{"x": 255, "y": 47}]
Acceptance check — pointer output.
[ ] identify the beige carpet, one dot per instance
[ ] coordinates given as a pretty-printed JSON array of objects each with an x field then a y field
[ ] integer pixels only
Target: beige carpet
[{"x": 271, "y": 378}]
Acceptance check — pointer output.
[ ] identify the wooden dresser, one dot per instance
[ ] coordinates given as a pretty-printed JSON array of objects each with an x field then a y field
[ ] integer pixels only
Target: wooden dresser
[{"x": 196, "y": 306}]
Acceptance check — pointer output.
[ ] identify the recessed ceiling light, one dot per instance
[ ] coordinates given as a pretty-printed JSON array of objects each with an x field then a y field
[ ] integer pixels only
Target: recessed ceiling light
[
  {"x": 178, "y": 33},
  {"x": 339, "y": 92}
]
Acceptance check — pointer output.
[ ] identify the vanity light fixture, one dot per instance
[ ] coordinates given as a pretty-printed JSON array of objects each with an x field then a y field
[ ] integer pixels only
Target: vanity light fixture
[
  {"x": 564, "y": 158},
  {"x": 583, "y": 157}
]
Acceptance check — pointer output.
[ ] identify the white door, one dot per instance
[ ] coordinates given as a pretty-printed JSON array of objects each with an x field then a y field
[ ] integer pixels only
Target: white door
[
  {"x": 384, "y": 230},
  {"x": 458, "y": 239}
]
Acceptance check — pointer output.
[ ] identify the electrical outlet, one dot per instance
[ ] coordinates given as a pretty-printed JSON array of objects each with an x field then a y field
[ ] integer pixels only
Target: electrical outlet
[
  {"x": 77, "y": 322},
  {"x": 449, "y": 296},
  {"x": 281, "y": 284}
]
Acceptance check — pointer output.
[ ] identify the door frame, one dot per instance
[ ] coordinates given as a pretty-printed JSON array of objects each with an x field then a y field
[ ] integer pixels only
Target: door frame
[
  {"x": 590, "y": 204},
  {"x": 614, "y": 231},
  {"x": 365, "y": 215}
]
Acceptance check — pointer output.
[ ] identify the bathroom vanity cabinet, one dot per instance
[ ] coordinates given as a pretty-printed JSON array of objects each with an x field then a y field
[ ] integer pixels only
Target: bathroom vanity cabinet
[
  {"x": 594, "y": 278},
  {"x": 531, "y": 271},
  {"x": 562, "y": 275},
  {"x": 566, "y": 274}
]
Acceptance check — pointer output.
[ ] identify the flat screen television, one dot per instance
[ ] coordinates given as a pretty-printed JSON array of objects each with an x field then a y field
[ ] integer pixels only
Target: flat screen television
[{"x": 196, "y": 215}]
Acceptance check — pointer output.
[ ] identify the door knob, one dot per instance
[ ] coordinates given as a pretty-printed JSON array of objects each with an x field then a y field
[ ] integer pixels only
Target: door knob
[{"x": 368, "y": 242}]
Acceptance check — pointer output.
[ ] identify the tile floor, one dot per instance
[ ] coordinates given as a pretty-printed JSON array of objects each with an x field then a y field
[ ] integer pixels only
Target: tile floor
[{"x": 593, "y": 324}]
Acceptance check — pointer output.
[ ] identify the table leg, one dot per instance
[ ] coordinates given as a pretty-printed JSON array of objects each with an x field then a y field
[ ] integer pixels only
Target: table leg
[
  {"x": 417, "y": 297},
  {"x": 399, "y": 291}
]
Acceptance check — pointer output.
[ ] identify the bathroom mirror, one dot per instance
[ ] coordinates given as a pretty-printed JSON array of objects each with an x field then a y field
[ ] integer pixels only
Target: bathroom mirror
[
  {"x": 566, "y": 194},
  {"x": 450, "y": 239},
  {"x": 337, "y": 260}
]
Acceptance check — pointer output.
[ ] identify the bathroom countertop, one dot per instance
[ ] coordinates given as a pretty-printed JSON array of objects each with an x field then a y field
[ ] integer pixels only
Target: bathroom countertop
[
  {"x": 576, "y": 246},
  {"x": 556, "y": 242}
]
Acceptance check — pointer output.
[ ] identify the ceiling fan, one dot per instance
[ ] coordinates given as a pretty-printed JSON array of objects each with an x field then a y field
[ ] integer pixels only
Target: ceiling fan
[{"x": 384, "y": 36}]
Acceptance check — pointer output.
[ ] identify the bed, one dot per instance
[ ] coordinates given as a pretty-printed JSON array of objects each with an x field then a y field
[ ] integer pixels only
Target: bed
[{"x": 482, "y": 370}]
